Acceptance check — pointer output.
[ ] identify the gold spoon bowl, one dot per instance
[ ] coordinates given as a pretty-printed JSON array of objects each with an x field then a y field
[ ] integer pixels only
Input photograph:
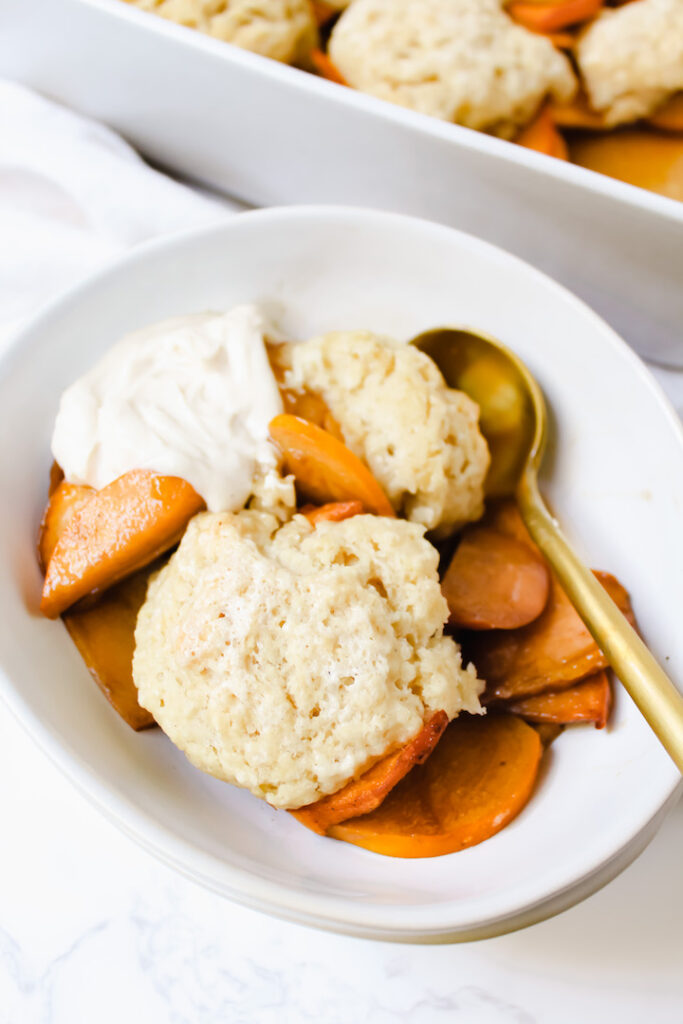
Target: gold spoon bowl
[{"x": 513, "y": 419}]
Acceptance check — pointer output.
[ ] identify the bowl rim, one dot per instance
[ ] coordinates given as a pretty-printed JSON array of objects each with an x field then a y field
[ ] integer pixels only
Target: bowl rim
[
  {"x": 465, "y": 138},
  {"x": 416, "y": 923}
]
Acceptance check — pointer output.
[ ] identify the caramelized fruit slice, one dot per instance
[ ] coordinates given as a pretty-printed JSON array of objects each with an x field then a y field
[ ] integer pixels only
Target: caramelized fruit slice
[
  {"x": 334, "y": 512},
  {"x": 325, "y": 469},
  {"x": 323, "y": 12},
  {"x": 552, "y": 14},
  {"x": 577, "y": 114},
  {"x": 326, "y": 68},
  {"x": 479, "y": 777},
  {"x": 669, "y": 118},
  {"x": 297, "y": 401},
  {"x": 56, "y": 477},
  {"x": 504, "y": 516},
  {"x": 543, "y": 137},
  {"x": 105, "y": 637},
  {"x": 360, "y": 796},
  {"x": 587, "y": 701},
  {"x": 638, "y": 156},
  {"x": 559, "y": 627},
  {"x": 494, "y": 581},
  {"x": 120, "y": 529},
  {"x": 311, "y": 407},
  {"x": 65, "y": 500},
  {"x": 561, "y": 40},
  {"x": 548, "y": 732},
  {"x": 550, "y": 653}
]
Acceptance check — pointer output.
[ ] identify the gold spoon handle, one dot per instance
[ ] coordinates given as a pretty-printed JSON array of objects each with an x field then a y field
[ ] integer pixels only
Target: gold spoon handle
[{"x": 651, "y": 689}]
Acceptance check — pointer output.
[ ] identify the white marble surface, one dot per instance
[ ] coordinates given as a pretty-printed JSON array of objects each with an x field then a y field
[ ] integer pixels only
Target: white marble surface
[{"x": 94, "y": 931}]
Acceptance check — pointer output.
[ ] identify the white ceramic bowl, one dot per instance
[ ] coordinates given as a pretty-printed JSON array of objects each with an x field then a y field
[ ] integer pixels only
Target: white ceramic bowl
[
  {"x": 269, "y": 134},
  {"x": 614, "y": 474}
]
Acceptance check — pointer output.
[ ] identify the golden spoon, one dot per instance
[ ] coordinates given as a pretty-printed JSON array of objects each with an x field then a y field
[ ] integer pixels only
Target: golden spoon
[{"x": 513, "y": 419}]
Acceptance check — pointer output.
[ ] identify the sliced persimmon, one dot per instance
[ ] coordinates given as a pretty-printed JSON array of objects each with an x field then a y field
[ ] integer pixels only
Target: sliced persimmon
[
  {"x": 548, "y": 732},
  {"x": 542, "y": 136},
  {"x": 309, "y": 405},
  {"x": 494, "y": 581},
  {"x": 639, "y": 156},
  {"x": 105, "y": 637},
  {"x": 550, "y": 653},
  {"x": 312, "y": 407},
  {"x": 56, "y": 477},
  {"x": 65, "y": 500},
  {"x": 325, "y": 469},
  {"x": 323, "y": 12},
  {"x": 120, "y": 529},
  {"x": 504, "y": 515},
  {"x": 553, "y": 14},
  {"x": 587, "y": 701},
  {"x": 362, "y": 795},
  {"x": 578, "y": 113},
  {"x": 475, "y": 782},
  {"x": 669, "y": 118},
  {"x": 326, "y": 68},
  {"x": 334, "y": 512}
]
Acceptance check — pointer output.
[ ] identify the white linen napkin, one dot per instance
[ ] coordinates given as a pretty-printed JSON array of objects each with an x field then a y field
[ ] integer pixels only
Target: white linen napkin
[{"x": 74, "y": 195}]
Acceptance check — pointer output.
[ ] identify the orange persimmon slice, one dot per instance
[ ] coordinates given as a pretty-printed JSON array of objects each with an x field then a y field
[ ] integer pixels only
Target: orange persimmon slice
[
  {"x": 494, "y": 581},
  {"x": 550, "y": 653},
  {"x": 549, "y": 16},
  {"x": 504, "y": 515},
  {"x": 56, "y": 477},
  {"x": 639, "y": 156},
  {"x": 577, "y": 114},
  {"x": 669, "y": 118},
  {"x": 542, "y": 136},
  {"x": 362, "y": 795},
  {"x": 120, "y": 529},
  {"x": 326, "y": 68},
  {"x": 311, "y": 407},
  {"x": 334, "y": 512},
  {"x": 560, "y": 40},
  {"x": 587, "y": 701},
  {"x": 475, "y": 782},
  {"x": 323, "y": 12},
  {"x": 548, "y": 732},
  {"x": 105, "y": 637},
  {"x": 65, "y": 500},
  {"x": 325, "y": 469}
]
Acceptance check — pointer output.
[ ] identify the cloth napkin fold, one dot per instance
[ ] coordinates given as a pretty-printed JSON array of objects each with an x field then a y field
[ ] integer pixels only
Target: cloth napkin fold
[{"x": 73, "y": 195}]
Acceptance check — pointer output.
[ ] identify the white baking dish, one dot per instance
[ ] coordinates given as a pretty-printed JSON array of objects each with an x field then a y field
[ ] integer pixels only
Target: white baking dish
[{"x": 273, "y": 134}]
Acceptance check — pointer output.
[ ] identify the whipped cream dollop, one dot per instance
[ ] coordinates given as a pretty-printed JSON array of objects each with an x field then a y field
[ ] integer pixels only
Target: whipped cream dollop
[{"x": 189, "y": 397}]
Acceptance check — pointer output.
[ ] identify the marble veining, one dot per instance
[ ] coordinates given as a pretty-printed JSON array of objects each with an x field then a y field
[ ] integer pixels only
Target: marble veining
[{"x": 94, "y": 931}]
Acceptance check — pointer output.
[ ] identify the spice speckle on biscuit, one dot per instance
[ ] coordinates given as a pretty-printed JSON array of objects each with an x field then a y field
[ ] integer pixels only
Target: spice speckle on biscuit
[
  {"x": 461, "y": 60},
  {"x": 420, "y": 438},
  {"x": 282, "y": 29},
  {"x": 289, "y": 659},
  {"x": 631, "y": 59}
]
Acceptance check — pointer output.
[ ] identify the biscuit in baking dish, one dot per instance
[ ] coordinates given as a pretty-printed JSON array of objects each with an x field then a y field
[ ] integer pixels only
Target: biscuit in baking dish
[
  {"x": 631, "y": 59},
  {"x": 461, "y": 60},
  {"x": 282, "y": 29}
]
